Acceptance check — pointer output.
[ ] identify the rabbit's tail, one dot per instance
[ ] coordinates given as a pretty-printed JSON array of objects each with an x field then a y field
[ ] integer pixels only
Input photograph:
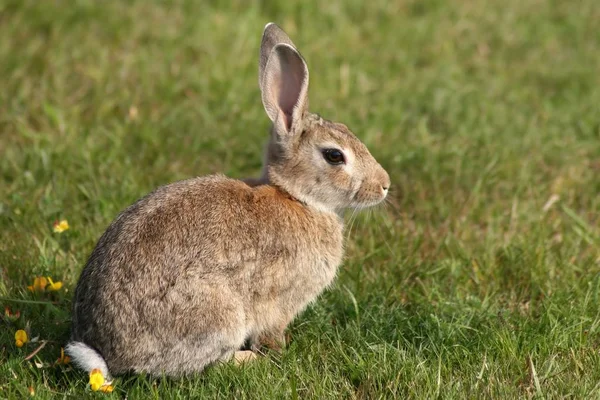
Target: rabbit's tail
[{"x": 88, "y": 359}]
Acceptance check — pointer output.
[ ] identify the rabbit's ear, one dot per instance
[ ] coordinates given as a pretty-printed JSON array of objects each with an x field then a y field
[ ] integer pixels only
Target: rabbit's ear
[
  {"x": 272, "y": 36},
  {"x": 284, "y": 87}
]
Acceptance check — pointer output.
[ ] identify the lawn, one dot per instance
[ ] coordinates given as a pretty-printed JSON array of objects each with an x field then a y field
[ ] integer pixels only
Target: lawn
[{"x": 479, "y": 279}]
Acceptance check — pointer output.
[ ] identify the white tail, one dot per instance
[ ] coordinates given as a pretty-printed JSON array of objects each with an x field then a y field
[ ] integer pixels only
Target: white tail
[{"x": 87, "y": 359}]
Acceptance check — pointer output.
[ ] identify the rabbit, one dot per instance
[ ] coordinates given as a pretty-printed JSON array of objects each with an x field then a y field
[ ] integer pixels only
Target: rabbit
[{"x": 199, "y": 270}]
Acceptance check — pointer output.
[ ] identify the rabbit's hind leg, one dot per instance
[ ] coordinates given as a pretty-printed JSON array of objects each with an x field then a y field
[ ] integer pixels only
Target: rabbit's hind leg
[
  {"x": 193, "y": 354},
  {"x": 210, "y": 327}
]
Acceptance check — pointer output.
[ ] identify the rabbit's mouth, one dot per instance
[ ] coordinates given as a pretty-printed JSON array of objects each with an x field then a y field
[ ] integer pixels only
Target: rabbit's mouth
[{"x": 369, "y": 199}]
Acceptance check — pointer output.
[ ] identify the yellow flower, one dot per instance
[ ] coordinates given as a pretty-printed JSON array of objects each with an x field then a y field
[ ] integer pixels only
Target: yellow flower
[
  {"x": 53, "y": 286},
  {"x": 106, "y": 389},
  {"x": 11, "y": 316},
  {"x": 60, "y": 226},
  {"x": 31, "y": 391},
  {"x": 39, "y": 284},
  {"x": 133, "y": 113},
  {"x": 64, "y": 360},
  {"x": 96, "y": 379},
  {"x": 20, "y": 337}
]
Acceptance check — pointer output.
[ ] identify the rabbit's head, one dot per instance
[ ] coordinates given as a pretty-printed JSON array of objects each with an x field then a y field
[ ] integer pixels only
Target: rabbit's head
[{"x": 319, "y": 162}]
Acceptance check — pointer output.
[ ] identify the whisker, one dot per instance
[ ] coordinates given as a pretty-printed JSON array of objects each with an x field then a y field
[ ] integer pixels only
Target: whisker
[
  {"x": 351, "y": 223},
  {"x": 352, "y": 219}
]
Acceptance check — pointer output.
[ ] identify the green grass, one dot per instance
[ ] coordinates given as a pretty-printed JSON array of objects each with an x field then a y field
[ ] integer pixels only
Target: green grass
[{"x": 469, "y": 285}]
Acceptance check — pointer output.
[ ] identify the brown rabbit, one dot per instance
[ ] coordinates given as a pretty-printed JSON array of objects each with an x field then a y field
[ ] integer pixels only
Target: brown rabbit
[{"x": 190, "y": 273}]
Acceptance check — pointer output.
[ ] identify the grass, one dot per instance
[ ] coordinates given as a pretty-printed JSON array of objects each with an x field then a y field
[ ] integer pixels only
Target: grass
[{"x": 480, "y": 280}]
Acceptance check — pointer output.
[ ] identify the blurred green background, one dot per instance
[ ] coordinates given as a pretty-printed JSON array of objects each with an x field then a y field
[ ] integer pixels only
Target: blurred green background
[{"x": 480, "y": 279}]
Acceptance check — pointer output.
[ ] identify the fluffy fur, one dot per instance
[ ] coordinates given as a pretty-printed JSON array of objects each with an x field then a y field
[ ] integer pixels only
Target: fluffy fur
[{"x": 195, "y": 270}]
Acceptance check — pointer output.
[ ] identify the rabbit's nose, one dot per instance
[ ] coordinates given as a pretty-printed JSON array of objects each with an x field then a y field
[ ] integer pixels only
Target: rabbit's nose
[{"x": 385, "y": 182}]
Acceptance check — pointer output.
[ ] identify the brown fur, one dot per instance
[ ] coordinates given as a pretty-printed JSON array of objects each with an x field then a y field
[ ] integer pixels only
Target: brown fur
[{"x": 188, "y": 274}]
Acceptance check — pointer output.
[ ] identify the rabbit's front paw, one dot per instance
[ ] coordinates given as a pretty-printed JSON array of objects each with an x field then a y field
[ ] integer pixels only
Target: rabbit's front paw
[{"x": 243, "y": 356}]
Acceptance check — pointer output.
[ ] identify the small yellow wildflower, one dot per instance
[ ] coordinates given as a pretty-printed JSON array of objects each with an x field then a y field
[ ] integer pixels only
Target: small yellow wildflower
[
  {"x": 60, "y": 226},
  {"x": 39, "y": 284},
  {"x": 20, "y": 337},
  {"x": 31, "y": 391},
  {"x": 53, "y": 286},
  {"x": 64, "y": 360},
  {"x": 133, "y": 113},
  {"x": 106, "y": 389},
  {"x": 96, "y": 379},
  {"x": 11, "y": 316}
]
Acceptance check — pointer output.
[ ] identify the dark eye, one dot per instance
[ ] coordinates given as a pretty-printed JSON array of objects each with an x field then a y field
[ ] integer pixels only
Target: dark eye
[{"x": 333, "y": 156}]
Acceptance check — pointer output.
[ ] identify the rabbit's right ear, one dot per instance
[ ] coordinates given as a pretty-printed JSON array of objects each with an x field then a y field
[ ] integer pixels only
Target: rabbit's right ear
[
  {"x": 272, "y": 36},
  {"x": 283, "y": 80}
]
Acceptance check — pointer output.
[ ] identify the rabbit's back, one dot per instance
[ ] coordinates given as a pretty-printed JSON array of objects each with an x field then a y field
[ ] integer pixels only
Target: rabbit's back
[{"x": 196, "y": 257}]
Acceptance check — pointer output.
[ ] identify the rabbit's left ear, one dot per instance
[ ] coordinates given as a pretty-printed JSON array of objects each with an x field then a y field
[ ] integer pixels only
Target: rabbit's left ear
[{"x": 284, "y": 88}]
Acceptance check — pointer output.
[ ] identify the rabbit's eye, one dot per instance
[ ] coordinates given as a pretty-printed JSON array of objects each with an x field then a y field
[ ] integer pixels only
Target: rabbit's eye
[{"x": 333, "y": 156}]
